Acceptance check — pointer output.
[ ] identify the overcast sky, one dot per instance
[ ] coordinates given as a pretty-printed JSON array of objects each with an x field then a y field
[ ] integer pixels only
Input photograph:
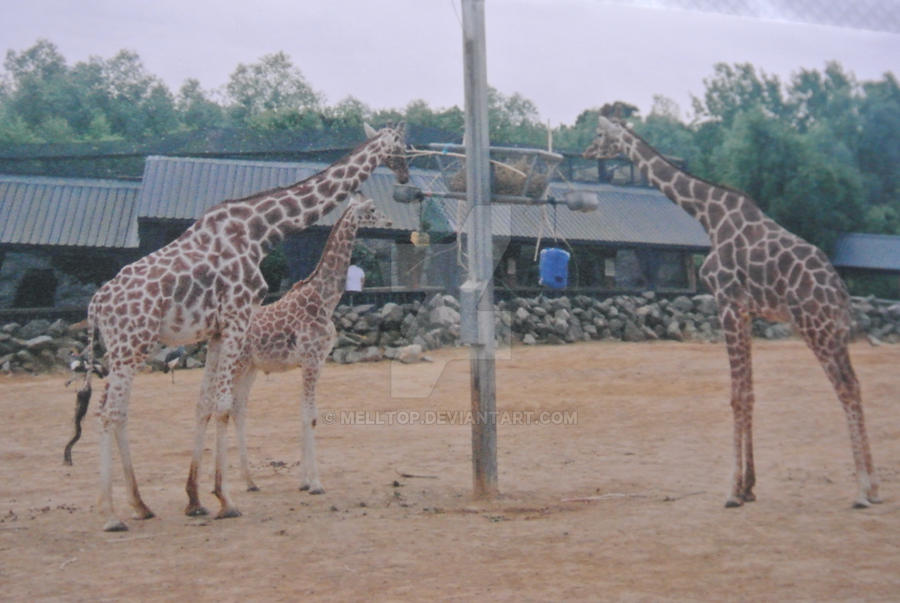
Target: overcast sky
[{"x": 565, "y": 55}]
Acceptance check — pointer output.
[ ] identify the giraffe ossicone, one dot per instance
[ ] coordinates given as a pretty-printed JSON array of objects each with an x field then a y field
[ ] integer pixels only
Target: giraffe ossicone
[
  {"x": 202, "y": 286},
  {"x": 757, "y": 268}
]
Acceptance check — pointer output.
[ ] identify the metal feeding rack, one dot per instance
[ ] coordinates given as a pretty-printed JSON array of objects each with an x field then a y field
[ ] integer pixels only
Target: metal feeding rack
[{"x": 518, "y": 176}]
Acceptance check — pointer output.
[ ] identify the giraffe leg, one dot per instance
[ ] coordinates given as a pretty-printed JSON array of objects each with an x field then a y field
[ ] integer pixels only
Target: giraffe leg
[
  {"x": 203, "y": 414},
  {"x": 194, "y": 508},
  {"x": 241, "y": 394},
  {"x": 113, "y": 415},
  {"x": 220, "y": 490},
  {"x": 736, "y": 326},
  {"x": 223, "y": 392},
  {"x": 833, "y": 355},
  {"x": 310, "y": 471}
]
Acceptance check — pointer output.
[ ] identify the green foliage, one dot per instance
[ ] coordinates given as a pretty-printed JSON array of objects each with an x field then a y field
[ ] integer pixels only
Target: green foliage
[
  {"x": 820, "y": 152},
  {"x": 669, "y": 135},
  {"x": 263, "y": 93},
  {"x": 274, "y": 268}
]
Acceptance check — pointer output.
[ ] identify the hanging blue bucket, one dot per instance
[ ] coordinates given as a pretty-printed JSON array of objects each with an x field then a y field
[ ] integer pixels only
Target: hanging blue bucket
[{"x": 554, "y": 268}]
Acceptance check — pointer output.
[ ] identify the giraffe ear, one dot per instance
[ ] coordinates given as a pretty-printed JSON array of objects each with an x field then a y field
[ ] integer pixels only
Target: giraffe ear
[{"x": 369, "y": 130}]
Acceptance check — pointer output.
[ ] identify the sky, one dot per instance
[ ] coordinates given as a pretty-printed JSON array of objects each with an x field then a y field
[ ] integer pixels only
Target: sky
[{"x": 564, "y": 55}]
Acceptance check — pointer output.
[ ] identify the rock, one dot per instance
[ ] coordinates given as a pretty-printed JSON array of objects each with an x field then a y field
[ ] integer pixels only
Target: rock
[
  {"x": 778, "y": 331},
  {"x": 371, "y": 354},
  {"x": 529, "y": 339},
  {"x": 347, "y": 339},
  {"x": 682, "y": 304},
  {"x": 522, "y": 314},
  {"x": 673, "y": 332},
  {"x": 616, "y": 326},
  {"x": 388, "y": 338},
  {"x": 632, "y": 332},
  {"x": 10, "y": 328},
  {"x": 41, "y": 342},
  {"x": 443, "y": 316},
  {"x": 409, "y": 354},
  {"x": 57, "y": 328},
  {"x": 575, "y": 333},
  {"x": 705, "y": 304},
  {"x": 391, "y": 313},
  {"x": 451, "y": 302},
  {"x": 33, "y": 328},
  {"x": 363, "y": 309}
]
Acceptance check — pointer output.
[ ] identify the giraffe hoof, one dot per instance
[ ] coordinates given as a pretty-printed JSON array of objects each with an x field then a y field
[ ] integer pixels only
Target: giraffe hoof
[
  {"x": 114, "y": 525},
  {"x": 253, "y": 488},
  {"x": 197, "y": 511},
  {"x": 862, "y": 504},
  {"x": 319, "y": 490},
  {"x": 228, "y": 513},
  {"x": 304, "y": 487},
  {"x": 733, "y": 502},
  {"x": 143, "y": 513},
  {"x": 748, "y": 497}
]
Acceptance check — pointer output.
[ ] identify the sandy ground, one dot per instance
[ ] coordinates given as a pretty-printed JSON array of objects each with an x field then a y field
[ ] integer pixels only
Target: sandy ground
[{"x": 645, "y": 429}]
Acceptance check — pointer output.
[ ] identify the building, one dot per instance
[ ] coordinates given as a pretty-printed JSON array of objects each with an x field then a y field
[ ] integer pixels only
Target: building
[{"x": 636, "y": 240}]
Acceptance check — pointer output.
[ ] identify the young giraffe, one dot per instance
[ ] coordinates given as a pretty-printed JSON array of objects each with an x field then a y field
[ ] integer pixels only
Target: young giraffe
[
  {"x": 757, "y": 268},
  {"x": 202, "y": 286},
  {"x": 294, "y": 332}
]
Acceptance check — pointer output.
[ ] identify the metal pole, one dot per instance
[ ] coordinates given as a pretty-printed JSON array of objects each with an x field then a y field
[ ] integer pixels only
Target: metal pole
[{"x": 480, "y": 250}]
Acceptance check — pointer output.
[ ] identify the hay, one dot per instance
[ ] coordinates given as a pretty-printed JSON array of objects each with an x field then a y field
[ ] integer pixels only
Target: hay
[{"x": 506, "y": 179}]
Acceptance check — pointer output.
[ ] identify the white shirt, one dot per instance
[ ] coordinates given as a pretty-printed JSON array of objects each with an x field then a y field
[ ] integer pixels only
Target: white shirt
[{"x": 355, "y": 278}]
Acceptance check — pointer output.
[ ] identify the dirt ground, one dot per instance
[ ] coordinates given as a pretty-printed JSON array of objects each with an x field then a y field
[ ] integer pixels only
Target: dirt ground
[{"x": 643, "y": 431}]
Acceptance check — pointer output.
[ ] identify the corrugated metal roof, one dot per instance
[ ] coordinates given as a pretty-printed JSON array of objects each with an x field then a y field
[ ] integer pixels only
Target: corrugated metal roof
[
  {"x": 182, "y": 188},
  {"x": 625, "y": 216},
  {"x": 68, "y": 211},
  {"x": 868, "y": 251}
]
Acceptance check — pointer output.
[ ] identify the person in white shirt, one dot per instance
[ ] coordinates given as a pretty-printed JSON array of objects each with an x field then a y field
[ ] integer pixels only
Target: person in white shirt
[{"x": 356, "y": 278}]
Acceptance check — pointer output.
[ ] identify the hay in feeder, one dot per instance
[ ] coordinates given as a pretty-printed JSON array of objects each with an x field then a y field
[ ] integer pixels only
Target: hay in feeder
[{"x": 506, "y": 179}]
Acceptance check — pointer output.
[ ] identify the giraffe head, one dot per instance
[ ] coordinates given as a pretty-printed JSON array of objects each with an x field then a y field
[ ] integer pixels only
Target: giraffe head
[
  {"x": 608, "y": 142},
  {"x": 367, "y": 215},
  {"x": 394, "y": 140}
]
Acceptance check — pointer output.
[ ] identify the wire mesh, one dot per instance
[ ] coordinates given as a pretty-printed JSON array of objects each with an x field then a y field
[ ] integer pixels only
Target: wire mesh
[{"x": 875, "y": 15}]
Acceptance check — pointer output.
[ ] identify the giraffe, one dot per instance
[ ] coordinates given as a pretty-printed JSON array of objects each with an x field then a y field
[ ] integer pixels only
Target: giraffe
[
  {"x": 294, "y": 332},
  {"x": 202, "y": 286},
  {"x": 757, "y": 268}
]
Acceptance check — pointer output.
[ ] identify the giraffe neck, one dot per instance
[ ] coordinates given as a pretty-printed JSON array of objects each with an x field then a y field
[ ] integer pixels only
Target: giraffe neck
[
  {"x": 255, "y": 224},
  {"x": 706, "y": 202},
  {"x": 330, "y": 275}
]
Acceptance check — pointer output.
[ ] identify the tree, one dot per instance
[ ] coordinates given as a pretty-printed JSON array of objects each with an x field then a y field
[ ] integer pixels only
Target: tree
[
  {"x": 137, "y": 104},
  {"x": 514, "y": 120},
  {"x": 738, "y": 88},
  {"x": 195, "y": 109},
  {"x": 273, "y": 86},
  {"x": 40, "y": 94},
  {"x": 349, "y": 113},
  {"x": 664, "y": 130},
  {"x": 879, "y": 151},
  {"x": 801, "y": 188}
]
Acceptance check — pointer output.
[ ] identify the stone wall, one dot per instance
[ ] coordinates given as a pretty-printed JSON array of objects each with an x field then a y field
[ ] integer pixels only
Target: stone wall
[{"x": 404, "y": 332}]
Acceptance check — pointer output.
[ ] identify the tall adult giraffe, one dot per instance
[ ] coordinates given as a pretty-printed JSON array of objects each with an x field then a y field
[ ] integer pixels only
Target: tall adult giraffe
[
  {"x": 202, "y": 286},
  {"x": 294, "y": 332},
  {"x": 757, "y": 268}
]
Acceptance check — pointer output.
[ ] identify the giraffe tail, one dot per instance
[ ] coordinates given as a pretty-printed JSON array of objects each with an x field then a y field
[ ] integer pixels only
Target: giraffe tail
[{"x": 83, "y": 397}]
